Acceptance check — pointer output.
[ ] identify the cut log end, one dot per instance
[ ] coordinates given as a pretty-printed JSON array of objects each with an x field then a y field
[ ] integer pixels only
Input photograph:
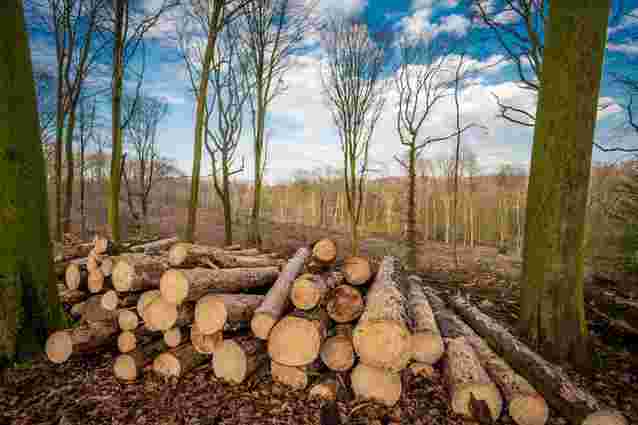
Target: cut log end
[
  {"x": 326, "y": 389},
  {"x": 294, "y": 341},
  {"x": 166, "y": 364},
  {"x": 160, "y": 314},
  {"x": 59, "y": 347},
  {"x": 125, "y": 368},
  {"x": 384, "y": 344},
  {"x": 291, "y": 376},
  {"x": 107, "y": 266},
  {"x": 203, "y": 343},
  {"x": 345, "y": 304},
  {"x": 605, "y": 417},
  {"x": 261, "y": 325},
  {"x": 426, "y": 347},
  {"x": 177, "y": 254},
  {"x": 357, "y": 270},
  {"x": 376, "y": 384},
  {"x": 488, "y": 393},
  {"x": 230, "y": 362},
  {"x": 73, "y": 276},
  {"x": 96, "y": 281},
  {"x": 303, "y": 293},
  {"x": 127, "y": 320},
  {"x": 174, "y": 286},
  {"x": 325, "y": 251},
  {"x": 122, "y": 276},
  {"x": 126, "y": 342},
  {"x": 173, "y": 337},
  {"x": 338, "y": 354},
  {"x": 210, "y": 314},
  {"x": 529, "y": 410},
  {"x": 109, "y": 300}
]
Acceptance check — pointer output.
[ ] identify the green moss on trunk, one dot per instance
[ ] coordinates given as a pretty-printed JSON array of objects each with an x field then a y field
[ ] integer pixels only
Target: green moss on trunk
[
  {"x": 552, "y": 305},
  {"x": 29, "y": 305}
]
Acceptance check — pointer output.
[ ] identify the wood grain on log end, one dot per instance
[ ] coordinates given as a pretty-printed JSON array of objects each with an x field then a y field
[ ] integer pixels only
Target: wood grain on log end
[
  {"x": 376, "y": 384},
  {"x": 59, "y": 347}
]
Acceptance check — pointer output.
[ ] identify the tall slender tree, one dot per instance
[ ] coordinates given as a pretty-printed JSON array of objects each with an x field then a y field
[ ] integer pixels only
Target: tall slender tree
[
  {"x": 29, "y": 305},
  {"x": 552, "y": 305}
]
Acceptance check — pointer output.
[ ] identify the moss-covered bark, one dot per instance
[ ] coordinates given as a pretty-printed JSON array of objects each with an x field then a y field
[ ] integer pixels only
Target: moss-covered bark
[
  {"x": 29, "y": 306},
  {"x": 552, "y": 306}
]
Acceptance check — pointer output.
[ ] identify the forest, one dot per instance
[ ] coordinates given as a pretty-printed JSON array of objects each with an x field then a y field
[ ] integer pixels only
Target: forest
[{"x": 321, "y": 212}]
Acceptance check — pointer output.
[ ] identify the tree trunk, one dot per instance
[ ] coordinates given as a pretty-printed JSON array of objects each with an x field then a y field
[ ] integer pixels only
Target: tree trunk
[
  {"x": 219, "y": 312},
  {"x": 297, "y": 338},
  {"x": 376, "y": 384},
  {"x": 137, "y": 272},
  {"x": 345, "y": 304},
  {"x": 411, "y": 236},
  {"x": 277, "y": 299},
  {"x": 29, "y": 304},
  {"x": 552, "y": 310},
  {"x": 236, "y": 359},
  {"x": 309, "y": 290},
  {"x": 70, "y": 169},
  {"x": 427, "y": 344},
  {"x": 178, "y": 361},
  {"x": 182, "y": 285},
  {"x": 381, "y": 337},
  {"x": 574, "y": 403},
  {"x": 85, "y": 338},
  {"x": 83, "y": 229},
  {"x": 338, "y": 352},
  {"x": 255, "y": 232}
]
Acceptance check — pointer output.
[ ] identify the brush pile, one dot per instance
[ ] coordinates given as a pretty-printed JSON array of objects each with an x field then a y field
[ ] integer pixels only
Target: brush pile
[{"x": 314, "y": 321}]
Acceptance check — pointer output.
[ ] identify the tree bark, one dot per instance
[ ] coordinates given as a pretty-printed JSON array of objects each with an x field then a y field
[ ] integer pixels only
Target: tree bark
[
  {"x": 70, "y": 168},
  {"x": 205, "y": 343},
  {"x": 29, "y": 304},
  {"x": 84, "y": 338},
  {"x": 552, "y": 307},
  {"x": 183, "y": 285},
  {"x": 296, "y": 339},
  {"x": 277, "y": 299},
  {"x": 382, "y": 337},
  {"x": 236, "y": 359},
  {"x": 127, "y": 367},
  {"x": 345, "y": 304},
  {"x": 100, "y": 307},
  {"x": 426, "y": 341},
  {"x": 189, "y": 255},
  {"x": 137, "y": 272},
  {"x": 574, "y": 403},
  {"x": 376, "y": 384},
  {"x": 159, "y": 245},
  {"x": 219, "y": 312},
  {"x": 178, "y": 361}
]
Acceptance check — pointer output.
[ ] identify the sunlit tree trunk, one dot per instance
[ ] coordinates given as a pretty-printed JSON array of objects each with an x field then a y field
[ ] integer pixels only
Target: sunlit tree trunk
[
  {"x": 29, "y": 305},
  {"x": 552, "y": 305}
]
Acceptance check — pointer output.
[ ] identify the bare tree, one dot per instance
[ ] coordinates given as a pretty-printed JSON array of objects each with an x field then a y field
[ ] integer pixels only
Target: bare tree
[
  {"x": 230, "y": 93},
  {"x": 86, "y": 120},
  {"x": 273, "y": 32},
  {"x": 202, "y": 20},
  {"x": 45, "y": 86},
  {"x": 145, "y": 166},
  {"x": 129, "y": 21},
  {"x": 353, "y": 84}
]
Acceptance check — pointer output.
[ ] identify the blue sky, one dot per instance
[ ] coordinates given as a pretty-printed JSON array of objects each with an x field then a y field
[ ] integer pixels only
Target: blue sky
[{"x": 300, "y": 128}]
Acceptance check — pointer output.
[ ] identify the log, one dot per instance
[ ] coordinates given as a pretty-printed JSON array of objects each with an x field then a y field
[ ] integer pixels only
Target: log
[
  {"x": 145, "y": 300},
  {"x": 77, "y": 310},
  {"x": 137, "y": 272},
  {"x": 238, "y": 358},
  {"x": 426, "y": 341},
  {"x": 337, "y": 352},
  {"x": 574, "y": 403},
  {"x": 60, "y": 267},
  {"x": 101, "y": 307},
  {"x": 92, "y": 262},
  {"x": 234, "y": 247},
  {"x": 345, "y": 304},
  {"x": 107, "y": 266},
  {"x": 102, "y": 245},
  {"x": 176, "y": 336},
  {"x": 621, "y": 313},
  {"x": 357, "y": 270},
  {"x": 206, "y": 343},
  {"x": 61, "y": 345},
  {"x": 128, "y": 341},
  {"x": 325, "y": 389},
  {"x": 127, "y": 320},
  {"x": 129, "y": 300},
  {"x": 277, "y": 302},
  {"x": 72, "y": 296},
  {"x": 154, "y": 246},
  {"x": 297, "y": 377},
  {"x": 178, "y": 361},
  {"x": 249, "y": 252},
  {"x": 296, "y": 339},
  {"x": 160, "y": 314},
  {"x": 76, "y": 276},
  {"x": 382, "y": 337},
  {"x": 178, "y": 286},
  {"x": 190, "y": 255},
  {"x": 309, "y": 290},
  {"x": 376, "y": 384},
  {"x": 70, "y": 252},
  {"x": 324, "y": 251},
  {"x": 218, "y": 312},
  {"x": 185, "y": 315},
  {"x": 97, "y": 282},
  {"x": 127, "y": 367}
]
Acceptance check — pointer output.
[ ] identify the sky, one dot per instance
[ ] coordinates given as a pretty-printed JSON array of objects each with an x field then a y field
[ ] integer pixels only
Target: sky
[{"x": 301, "y": 131}]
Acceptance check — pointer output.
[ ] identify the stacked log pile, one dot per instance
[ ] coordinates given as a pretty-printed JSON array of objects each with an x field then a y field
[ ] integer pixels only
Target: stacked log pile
[{"x": 315, "y": 322}]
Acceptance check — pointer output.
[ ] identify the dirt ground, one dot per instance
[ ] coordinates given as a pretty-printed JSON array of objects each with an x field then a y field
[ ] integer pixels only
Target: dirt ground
[{"x": 84, "y": 391}]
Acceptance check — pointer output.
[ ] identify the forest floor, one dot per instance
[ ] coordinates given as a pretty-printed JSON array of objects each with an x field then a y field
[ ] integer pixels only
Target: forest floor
[{"x": 84, "y": 390}]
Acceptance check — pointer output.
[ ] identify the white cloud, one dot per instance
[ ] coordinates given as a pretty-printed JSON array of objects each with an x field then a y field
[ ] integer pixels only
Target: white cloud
[
  {"x": 630, "y": 49},
  {"x": 507, "y": 16},
  {"x": 418, "y": 4},
  {"x": 629, "y": 20},
  {"x": 454, "y": 24}
]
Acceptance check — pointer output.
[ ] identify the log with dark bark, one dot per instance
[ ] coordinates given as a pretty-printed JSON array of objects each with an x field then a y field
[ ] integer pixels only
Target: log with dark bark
[
  {"x": 357, "y": 270},
  {"x": 376, "y": 384},
  {"x": 128, "y": 367},
  {"x": 277, "y": 299},
  {"x": 101, "y": 307},
  {"x": 236, "y": 359},
  {"x": 337, "y": 352},
  {"x": 84, "y": 338},
  {"x": 97, "y": 282},
  {"x": 216, "y": 312},
  {"x": 190, "y": 255},
  {"x": 427, "y": 344},
  {"x": 70, "y": 252},
  {"x": 382, "y": 336},
  {"x": 297, "y": 377},
  {"x": 297, "y": 338},
  {"x": 573, "y": 402},
  {"x": 344, "y": 304},
  {"x": 137, "y": 272},
  {"x": 180, "y": 285},
  {"x": 310, "y": 290},
  {"x": 324, "y": 251},
  {"x": 159, "y": 245},
  {"x": 72, "y": 296},
  {"x": 76, "y": 276},
  {"x": 178, "y": 361}
]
